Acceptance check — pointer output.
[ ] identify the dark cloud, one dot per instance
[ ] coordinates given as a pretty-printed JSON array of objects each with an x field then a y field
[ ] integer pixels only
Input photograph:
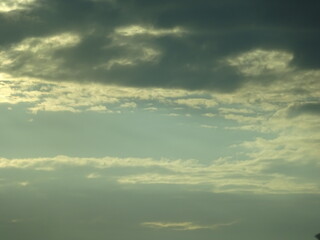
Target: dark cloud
[
  {"x": 307, "y": 108},
  {"x": 215, "y": 30}
]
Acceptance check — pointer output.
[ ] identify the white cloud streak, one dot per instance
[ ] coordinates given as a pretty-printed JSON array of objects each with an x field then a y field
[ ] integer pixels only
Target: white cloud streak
[
  {"x": 134, "y": 30},
  {"x": 185, "y": 226},
  {"x": 221, "y": 176}
]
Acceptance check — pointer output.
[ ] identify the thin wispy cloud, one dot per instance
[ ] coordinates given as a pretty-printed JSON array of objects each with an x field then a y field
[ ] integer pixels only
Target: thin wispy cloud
[
  {"x": 249, "y": 176},
  {"x": 185, "y": 226}
]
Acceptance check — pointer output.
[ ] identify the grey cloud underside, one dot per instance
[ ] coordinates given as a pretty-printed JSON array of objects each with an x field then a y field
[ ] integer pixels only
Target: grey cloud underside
[
  {"x": 215, "y": 30},
  {"x": 306, "y": 108}
]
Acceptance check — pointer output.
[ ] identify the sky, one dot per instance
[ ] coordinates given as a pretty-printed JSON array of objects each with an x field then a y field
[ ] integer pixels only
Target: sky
[{"x": 153, "y": 120}]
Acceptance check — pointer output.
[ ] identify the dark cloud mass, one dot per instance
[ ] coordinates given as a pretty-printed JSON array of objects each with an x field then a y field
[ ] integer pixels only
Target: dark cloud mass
[
  {"x": 306, "y": 108},
  {"x": 190, "y": 59}
]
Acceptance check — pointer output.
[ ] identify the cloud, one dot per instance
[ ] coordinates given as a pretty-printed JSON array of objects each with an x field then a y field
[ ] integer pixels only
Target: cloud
[
  {"x": 302, "y": 148},
  {"x": 184, "y": 226},
  {"x": 222, "y": 176},
  {"x": 234, "y": 110},
  {"x": 282, "y": 112},
  {"x": 261, "y": 62},
  {"x": 129, "y": 105},
  {"x": 211, "y": 115},
  {"x": 97, "y": 108},
  {"x": 304, "y": 108},
  {"x": 197, "y": 102},
  {"x": 287, "y": 110},
  {"x": 11, "y": 5},
  {"x": 93, "y": 176},
  {"x": 75, "y": 97},
  {"x": 34, "y": 56},
  {"x": 99, "y": 163},
  {"x": 134, "y": 51},
  {"x": 263, "y": 184},
  {"x": 208, "y": 126},
  {"x": 243, "y": 119},
  {"x": 134, "y": 43},
  {"x": 14, "y": 221},
  {"x": 134, "y": 30},
  {"x": 23, "y": 184}
]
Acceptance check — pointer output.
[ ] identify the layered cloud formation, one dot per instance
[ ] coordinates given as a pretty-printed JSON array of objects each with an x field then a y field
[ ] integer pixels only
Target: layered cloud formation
[{"x": 166, "y": 119}]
